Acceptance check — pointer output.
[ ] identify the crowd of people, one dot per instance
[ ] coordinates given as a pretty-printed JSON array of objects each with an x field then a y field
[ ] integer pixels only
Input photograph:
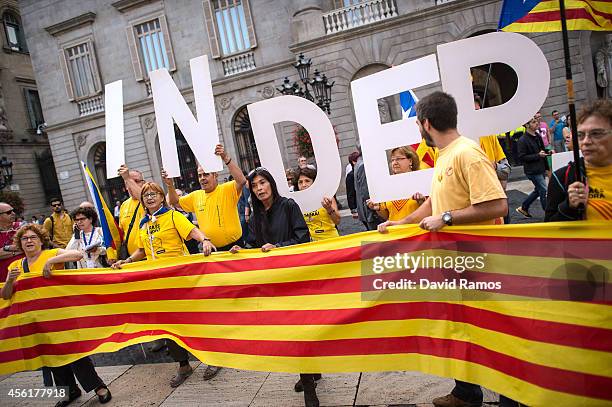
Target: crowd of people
[{"x": 468, "y": 188}]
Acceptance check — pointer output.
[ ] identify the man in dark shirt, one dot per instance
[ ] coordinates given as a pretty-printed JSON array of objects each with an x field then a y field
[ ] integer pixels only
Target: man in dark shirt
[{"x": 533, "y": 155}]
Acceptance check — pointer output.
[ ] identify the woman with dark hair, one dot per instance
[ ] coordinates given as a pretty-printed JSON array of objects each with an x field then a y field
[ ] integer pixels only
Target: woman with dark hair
[
  {"x": 321, "y": 222},
  {"x": 31, "y": 239},
  {"x": 87, "y": 239},
  {"x": 277, "y": 222}
]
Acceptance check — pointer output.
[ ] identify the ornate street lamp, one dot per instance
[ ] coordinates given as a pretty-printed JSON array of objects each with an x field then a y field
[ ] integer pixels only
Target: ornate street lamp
[
  {"x": 6, "y": 173},
  {"x": 321, "y": 88}
]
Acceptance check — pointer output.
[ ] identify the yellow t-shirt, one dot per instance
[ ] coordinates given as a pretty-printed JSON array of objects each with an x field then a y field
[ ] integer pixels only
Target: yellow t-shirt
[
  {"x": 491, "y": 147},
  {"x": 62, "y": 228},
  {"x": 599, "y": 205},
  {"x": 36, "y": 268},
  {"x": 125, "y": 216},
  {"x": 320, "y": 225},
  {"x": 165, "y": 236},
  {"x": 463, "y": 176},
  {"x": 216, "y": 212},
  {"x": 400, "y": 209}
]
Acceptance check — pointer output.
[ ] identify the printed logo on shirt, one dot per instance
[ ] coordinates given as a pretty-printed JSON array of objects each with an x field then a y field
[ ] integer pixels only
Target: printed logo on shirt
[
  {"x": 597, "y": 193},
  {"x": 154, "y": 228},
  {"x": 311, "y": 215},
  {"x": 399, "y": 204},
  {"x": 449, "y": 171}
]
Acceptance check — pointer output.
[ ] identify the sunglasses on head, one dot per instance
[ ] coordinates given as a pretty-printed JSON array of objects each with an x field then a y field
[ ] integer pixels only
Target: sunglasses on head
[
  {"x": 7, "y": 212},
  {"x": 258, "y": 169}
]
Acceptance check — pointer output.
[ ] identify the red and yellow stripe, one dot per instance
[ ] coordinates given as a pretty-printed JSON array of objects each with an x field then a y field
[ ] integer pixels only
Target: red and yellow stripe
[
  {"x": 580, "y": 14},
  {"x": 311, "y": 308}
]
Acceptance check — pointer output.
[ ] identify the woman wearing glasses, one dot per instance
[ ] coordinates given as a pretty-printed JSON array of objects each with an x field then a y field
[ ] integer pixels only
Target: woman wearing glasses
[
  {"x": 161, "y": 235},
  {"x": 277, "y": 222},
  {"x": 570, "y": 199},
  {"x": 31, "y": 239},
  {"x": 403, "y": 159},
  {"x": 88, "y": 239}
]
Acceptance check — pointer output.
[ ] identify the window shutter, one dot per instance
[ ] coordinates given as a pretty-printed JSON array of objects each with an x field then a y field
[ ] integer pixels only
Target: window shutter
[
  {"x": 249, "y": 21},
  {"x": 211, "y": 28},
  {"x": 31, "y": 115},
  {"x": 131, "y": 38},
  {"x": 94, "y": 66},
  {"x": 164, "y": 26},
  {"x": 67, "y": 79}
]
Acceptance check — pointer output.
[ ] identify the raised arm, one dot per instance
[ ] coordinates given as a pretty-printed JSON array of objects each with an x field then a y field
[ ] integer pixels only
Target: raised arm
[{"x": 232, "y": 166}]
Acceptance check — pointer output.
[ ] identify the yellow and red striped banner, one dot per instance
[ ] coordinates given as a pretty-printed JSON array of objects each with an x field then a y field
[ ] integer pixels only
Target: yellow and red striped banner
[
  {"x": 303, "y": 309},
  {"x": 594, "y": 15}
]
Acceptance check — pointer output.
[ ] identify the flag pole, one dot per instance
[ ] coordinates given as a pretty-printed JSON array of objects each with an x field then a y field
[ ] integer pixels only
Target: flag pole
[{"x": 570, "y": 95}]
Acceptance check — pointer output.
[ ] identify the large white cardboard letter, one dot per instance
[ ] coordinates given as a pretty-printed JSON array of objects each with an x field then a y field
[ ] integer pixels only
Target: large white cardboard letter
[
  {"x": 265, "y": 114},
  {"x": 201, "y": 134},
  {"x": 113, "y": 120},
  {"x": 519, "y": 52},
  {"x": 376, "y": 138}
]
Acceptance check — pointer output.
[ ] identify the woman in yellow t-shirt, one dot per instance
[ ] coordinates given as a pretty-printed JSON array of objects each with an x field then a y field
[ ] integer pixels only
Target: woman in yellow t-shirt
[
  {"x": 322, "y": 222},
  {"x": 161, "y": 235},
  {"x": 30, "y": 239},
  {"x": 403, "y": 159}
]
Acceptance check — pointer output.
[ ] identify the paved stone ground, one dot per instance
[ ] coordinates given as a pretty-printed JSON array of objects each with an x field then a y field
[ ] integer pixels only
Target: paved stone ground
[{"x": 138, "y": 377}]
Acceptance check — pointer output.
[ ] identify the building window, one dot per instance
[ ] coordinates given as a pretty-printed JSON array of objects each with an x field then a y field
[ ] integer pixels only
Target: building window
[
  {"x": 230, "y": 26},
  {"x": 14, "y": 33},
  {"x": 150, "y": 46},
  {"x": 245, "y": 141},
  {"x": 80, "y": 71},
  {"x": 35, "y": 114}
]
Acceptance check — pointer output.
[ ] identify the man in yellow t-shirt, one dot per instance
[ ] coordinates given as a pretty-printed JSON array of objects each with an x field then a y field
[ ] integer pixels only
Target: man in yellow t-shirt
[
  {"x": 59, "y": 225},
  {"x": 215, "y": 205},
  {"x": 464, "y": 191},
  {"x": 131, "y": 207}
]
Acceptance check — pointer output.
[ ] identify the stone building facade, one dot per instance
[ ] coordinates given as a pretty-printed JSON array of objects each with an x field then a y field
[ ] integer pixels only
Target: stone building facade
[
  {"x": 20, "y": 115},
  {"x": 77, "y": 47}
]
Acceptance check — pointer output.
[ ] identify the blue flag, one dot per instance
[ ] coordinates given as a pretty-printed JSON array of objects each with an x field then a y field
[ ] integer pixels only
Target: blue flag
[
  {"x": 408, "y": 101},
  {"x": 513, "y": 10}
]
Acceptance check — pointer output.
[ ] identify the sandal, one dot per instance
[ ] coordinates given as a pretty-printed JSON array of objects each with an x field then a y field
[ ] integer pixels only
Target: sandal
[
  {"x": 210, "y": 372},
  {"x": 106, "y": 397},
  {"x": 180, "y": 377}
]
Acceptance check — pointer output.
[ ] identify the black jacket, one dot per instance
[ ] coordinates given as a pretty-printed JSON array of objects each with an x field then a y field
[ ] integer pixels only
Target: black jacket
[
  {"x": 285, "y": 225},
  {"x": 528, "y": 150},
  {"x": 557, "y": 203},
  {"x": 351, "y": 195}
]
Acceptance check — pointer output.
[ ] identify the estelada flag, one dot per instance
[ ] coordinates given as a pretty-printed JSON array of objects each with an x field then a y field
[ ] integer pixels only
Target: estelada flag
[
  {"x": 544, "y": 15},
  {"x": 110, "y": 231},
  {"x": 427, "y": 155}
]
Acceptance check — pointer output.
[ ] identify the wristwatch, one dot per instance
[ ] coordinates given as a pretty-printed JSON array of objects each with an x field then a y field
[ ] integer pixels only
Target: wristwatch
[{"x": 447, "y": 218}]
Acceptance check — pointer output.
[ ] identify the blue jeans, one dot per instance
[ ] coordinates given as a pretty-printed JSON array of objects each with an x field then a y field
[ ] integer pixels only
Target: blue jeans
[{"x": 539, "y": 181}]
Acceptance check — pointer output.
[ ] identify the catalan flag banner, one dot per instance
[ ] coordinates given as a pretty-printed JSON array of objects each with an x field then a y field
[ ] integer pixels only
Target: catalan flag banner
[
  {"x": 524, "y": 310},
  {"x": 110, "y": 231},
  {"x": 544, "y": 15}
]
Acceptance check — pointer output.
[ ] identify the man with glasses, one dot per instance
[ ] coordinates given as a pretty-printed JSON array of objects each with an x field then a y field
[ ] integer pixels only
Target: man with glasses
[
  {"x": 570, "y": 199},
  {"x": 131, "y": 211},
  {"x": 8, "y": 251},
  {"x": 58, "y": 225}
]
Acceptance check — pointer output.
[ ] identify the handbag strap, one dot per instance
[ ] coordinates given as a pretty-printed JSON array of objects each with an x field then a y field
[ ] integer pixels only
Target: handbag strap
[{"x": 127, "y": 237}]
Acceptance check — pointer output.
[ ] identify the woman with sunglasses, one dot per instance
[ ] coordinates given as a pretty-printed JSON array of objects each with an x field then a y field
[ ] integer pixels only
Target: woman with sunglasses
[
  {"x": 31, "y": 239},
  {"x": 87, "y": 239},
  {"x": 277, "y": 222},
  {"x": 161, "y": 235}
]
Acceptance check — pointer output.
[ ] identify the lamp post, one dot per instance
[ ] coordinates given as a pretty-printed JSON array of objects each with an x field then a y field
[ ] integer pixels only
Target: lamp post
[
  {"x": 321, "y": 87},
  {"x": 6, "y": 173}
]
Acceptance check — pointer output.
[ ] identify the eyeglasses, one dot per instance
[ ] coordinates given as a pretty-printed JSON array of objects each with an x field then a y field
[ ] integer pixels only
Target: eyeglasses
[
  {"x": 595, "y": 134},
  {"x": 56, "y": 205},
  {"x": 8, "y": 212},
  {"x": 26, "y": 238},
  {"x": 150, "y": 195},
  {"x": 80, "y": 219},
  {"x": 398, "y": 159}
]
